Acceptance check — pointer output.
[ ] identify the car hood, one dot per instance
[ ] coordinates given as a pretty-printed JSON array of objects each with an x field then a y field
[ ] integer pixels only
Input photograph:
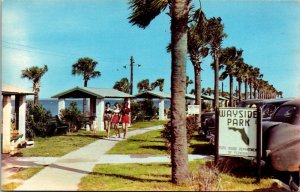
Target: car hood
[{"x": 267, "y": 124}]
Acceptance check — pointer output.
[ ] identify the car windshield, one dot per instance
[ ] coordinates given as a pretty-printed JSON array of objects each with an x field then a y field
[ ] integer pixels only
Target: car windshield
[
  {"x": 268, "y": 110},
  {"x": 285, "y": 114}
]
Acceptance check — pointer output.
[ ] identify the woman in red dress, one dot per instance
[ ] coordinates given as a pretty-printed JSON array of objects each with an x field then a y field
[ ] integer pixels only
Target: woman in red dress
[
  {"x": 125, "y": 118},
  {"x": 115, "y": 118}
]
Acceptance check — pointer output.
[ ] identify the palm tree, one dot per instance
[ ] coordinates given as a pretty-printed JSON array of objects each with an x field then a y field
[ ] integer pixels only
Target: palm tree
[
  {"x": 255, "y": 76},
  {"x": 230, "y": 57},
  {"x": 197, "y": 49},
  {"x": 85, "y": 67},
  {"x": 143, "y": 12},
  {"x": 143, "y": 85},
  {"x": 238, "y": 73},
  {"x": 209, "y": 91},
  {"x": 246, "y": 76},
  {"x": 158, "y": 83},
  {"x": 216, "y": 36},
  {"x": 188, "y": 82},
  {"x": 122, "y": 85},
  {"x": 35, "y": 74}
]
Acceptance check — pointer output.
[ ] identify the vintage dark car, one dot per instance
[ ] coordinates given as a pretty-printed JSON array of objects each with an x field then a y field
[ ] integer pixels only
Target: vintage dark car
[{"x": 281, "y": 139}]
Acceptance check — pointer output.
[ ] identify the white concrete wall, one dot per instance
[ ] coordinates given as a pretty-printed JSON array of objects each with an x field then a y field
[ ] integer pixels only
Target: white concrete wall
[
  {"x": 6, "y": 113},
  {"x": 99, "y": 114},
  {"x": 161, "y": 109},
  {"x": 22, "y": 116},
  {"x": 129, "y": 105},
  {"x": 61, "y": 104}
]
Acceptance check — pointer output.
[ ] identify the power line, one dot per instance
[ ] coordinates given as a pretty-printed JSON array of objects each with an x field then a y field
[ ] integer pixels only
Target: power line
[
  {"x": 27, "y": 48},
  {"x": 23, "y": 47},
  {"x": 33, "y": 51}
]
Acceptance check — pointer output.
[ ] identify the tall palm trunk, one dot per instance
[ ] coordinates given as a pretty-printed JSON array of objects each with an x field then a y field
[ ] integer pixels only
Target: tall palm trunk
[
  {"x": 216, "y": 91},
  {"x": 197, "y": 71},
  {"x": 250, "y": 85},
  {"x": 179, "y": 19},
  {"x": 246, "y": 89},
  {"x": 36, "y": 89},
  {"x": 255, "y": 93},
  {"x": 84, "y": 100},
  {"x": 240, "y": 92},
  {"x": 230, "y": 91}
]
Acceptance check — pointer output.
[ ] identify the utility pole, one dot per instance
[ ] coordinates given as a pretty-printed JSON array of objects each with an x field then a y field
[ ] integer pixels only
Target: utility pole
[{"x": 131, "y": 74}]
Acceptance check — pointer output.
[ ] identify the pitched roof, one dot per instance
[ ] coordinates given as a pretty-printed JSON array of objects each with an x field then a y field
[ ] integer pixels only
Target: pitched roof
[
  {"x": 85, "y": 92},
  {"x": 222, "y": 98},
  {"x": 153, "y": 94},
  {"x": 207, "y": 97},
  {"x": 12, "y": 90},
  {"x": 233, "y": 97},
  {"x": 162, "y": 95},
  {"x": 190, "y": 96}
]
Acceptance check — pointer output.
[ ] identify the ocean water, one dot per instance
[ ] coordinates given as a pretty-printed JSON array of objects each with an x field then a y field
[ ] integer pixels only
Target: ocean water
[{"x": 52, "y": 104}]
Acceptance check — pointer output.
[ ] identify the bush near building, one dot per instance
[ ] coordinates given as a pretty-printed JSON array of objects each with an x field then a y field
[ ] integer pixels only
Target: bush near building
[
  {"x": 73, "y": 117},
  {"x": 37, "y": 121}
]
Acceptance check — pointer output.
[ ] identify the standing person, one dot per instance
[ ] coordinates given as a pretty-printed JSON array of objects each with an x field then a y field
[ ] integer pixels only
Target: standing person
[
  {"x": 115, "y": 118},
  {"x": 125, "y": 118},
  {"x": 107, "y": 118}
]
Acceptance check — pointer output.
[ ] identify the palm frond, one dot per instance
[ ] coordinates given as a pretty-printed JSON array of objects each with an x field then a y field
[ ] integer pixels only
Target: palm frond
[{"x": 144, "y": 11}]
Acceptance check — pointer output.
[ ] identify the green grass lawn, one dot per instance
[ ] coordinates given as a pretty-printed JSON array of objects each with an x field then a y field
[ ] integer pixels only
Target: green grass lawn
[
  {"x": 22, "y": 175},
  {"x": 147, "y": 143},
  {"x": 144, "y": 124},
  {"x": 157, "y": 177},
  {"x": 60, "y": 145},
  {"x": 152, "y": 143}
]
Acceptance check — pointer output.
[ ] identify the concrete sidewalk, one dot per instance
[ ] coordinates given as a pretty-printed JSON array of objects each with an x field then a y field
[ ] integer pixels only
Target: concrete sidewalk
[{"x": 65, "y": 172}]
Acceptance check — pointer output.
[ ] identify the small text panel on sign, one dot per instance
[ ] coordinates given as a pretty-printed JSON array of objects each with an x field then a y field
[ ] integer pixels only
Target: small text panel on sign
[
  {"x": 193, "y": 109},
  {"x": 237, "y": 132}
]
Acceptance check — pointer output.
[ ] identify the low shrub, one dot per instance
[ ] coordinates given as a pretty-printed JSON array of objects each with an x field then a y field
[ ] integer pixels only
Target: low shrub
[
  {"x": 207, "y": 178},
  {"x": 191, "y": 127},
  {"x": 143, "y": 108},
  {"x": 73, "y": 117},
  {"x": 37, "y": 121}
]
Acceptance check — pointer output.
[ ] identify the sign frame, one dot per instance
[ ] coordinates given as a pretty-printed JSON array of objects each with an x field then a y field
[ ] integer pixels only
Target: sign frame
[{"x": 258, "y": 138}]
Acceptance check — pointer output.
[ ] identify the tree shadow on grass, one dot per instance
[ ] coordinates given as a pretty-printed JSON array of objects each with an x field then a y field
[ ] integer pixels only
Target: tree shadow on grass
[
  {"x": 133, "y": 178},
  {"x": 144, "y": 140},
  {"x": 86, "y": 136},
  {"x": 154, "y": 147}
]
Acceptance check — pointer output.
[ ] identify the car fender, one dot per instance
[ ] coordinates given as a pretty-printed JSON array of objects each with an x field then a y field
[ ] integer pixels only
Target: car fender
[{"x": 284, "y": 147}]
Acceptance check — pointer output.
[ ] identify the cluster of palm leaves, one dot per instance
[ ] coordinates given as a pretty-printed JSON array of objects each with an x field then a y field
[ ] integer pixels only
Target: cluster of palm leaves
[
  {"x": 35, "y": 74},
  {"x": 144, "y": 85}
]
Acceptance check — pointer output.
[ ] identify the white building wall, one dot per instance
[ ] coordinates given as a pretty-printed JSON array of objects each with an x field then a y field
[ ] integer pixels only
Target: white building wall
[
  {"x": 22, "y": 116},
  {"x": 6, "y": 114},
  {"x": 61, "y": 104},
  {"x": 99, "y": 114},
  {"x": 161, "y": 107}
]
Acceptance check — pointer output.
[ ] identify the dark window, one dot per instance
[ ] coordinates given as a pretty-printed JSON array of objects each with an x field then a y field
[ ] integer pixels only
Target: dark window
[
  {"x": 268, "y": 110},
  {"x": 285, "y": 114}
]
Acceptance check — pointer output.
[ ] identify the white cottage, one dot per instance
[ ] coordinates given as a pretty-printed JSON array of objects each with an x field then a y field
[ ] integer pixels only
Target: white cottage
[
  {"x": 8, "y": 93},
  {"x": 96, "y": 97}
]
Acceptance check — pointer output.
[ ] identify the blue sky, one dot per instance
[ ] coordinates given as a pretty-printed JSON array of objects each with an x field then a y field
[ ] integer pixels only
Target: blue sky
[{"x": 58, "y": 32}]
